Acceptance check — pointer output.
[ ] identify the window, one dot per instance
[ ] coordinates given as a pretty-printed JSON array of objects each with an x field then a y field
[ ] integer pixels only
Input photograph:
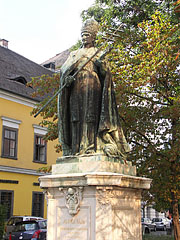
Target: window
[
  {"x": 6, "y": 199},
  {"x": 9, "y": 142},
  {"x": 39, "y": 149},
  {"x": 40, "y": 145},
  {"x": 38, "y": 204}
]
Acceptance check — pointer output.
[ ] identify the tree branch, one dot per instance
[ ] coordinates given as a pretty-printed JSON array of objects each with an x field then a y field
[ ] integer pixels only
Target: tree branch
[
  {"x": 148, "y": 99},
  {"x": 146, "y": 138}
]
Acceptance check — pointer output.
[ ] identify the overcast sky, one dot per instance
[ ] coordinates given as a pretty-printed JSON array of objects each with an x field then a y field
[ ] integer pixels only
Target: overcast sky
[{"x": 40, "y": 29}]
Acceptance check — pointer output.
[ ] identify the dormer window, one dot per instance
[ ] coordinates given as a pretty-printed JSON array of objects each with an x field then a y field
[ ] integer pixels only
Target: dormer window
[
  {"x": 19, "y": 79},
  {"x": 4, "y": 43},
  {"x": 50, "y": 65}
]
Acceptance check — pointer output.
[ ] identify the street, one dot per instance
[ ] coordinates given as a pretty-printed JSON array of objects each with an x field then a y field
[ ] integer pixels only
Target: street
[{"x": 159, "y": 233}]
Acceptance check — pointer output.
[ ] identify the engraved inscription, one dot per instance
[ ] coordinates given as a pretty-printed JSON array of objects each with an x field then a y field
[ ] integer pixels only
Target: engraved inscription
[
  {"x": 73, "y": 227},
  {"x": 74, "y": 221}
]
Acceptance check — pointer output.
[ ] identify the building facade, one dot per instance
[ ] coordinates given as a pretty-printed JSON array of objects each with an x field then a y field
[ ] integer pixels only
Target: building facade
[
  {"x": 22, "y": 150},
  {"x": 150, "y": 212}
]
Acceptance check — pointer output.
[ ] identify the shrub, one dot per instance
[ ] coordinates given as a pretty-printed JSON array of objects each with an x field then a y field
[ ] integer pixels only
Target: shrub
[
  {"x": 2, "y": 219},
  {"x": 163, "y": 237}
]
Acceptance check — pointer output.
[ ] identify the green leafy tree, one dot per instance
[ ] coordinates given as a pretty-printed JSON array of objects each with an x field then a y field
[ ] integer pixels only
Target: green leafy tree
[
  {"x": 177, "y": 6},
  {"x": 130, "y": 12},
  {"x": 45, "y": 86},
  {"x": 148, "y": 92}
]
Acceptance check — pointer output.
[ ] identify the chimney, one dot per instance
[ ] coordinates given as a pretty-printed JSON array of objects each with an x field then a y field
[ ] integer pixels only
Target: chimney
[{"x": 4, "y": 43}]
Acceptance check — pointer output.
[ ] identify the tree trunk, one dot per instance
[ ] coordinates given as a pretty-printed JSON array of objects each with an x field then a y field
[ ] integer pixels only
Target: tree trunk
[{"x": 176, "y": 220}]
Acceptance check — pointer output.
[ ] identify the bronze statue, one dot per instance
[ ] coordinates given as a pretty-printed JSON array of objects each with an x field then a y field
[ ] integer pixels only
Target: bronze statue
[{"x": 88, "y": 116}]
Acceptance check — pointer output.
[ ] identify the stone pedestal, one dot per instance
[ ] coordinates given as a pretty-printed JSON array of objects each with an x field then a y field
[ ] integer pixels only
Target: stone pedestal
[
  {"x": 93, "y": 205},
  {"x": 92, "y": 163}
]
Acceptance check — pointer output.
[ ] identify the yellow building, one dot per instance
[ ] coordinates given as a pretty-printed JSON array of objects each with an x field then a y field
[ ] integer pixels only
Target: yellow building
[{"x": 23, "y": 150}]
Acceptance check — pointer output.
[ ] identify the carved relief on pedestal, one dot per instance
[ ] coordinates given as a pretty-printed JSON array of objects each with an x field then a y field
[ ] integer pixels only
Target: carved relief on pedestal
[
  {"x": 73, "y": 197},
  {"x": 104, "y": 196}
]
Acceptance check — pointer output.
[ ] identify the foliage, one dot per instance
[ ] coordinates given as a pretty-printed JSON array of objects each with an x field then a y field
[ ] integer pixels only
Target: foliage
[
  {"x": 177, "y": 6},
  {"x": 47, "y": 169},
  {"x": 76, "y": 46},
  {"x": 44, "y": 87},
  {"x": 163, "y": 237},
  {"x": 147, "y": 85},
  {"x": 2, "y": 219},
  {"x": 129, "y": 12}
]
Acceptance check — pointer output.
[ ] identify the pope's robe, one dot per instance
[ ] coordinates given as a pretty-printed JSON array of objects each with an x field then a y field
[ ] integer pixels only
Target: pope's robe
[{"x": 88, "y": 117}]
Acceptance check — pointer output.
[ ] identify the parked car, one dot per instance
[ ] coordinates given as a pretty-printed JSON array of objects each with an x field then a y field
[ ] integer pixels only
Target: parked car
[
  {"x": 149, "y": 223},
  {"x": 145, "y": 229},
  {"x": 167, "y": 222},
  {"x": 29, "y": 230},
  {"x": 160, "y": 223},
  {"x": 13, "y": 220}
]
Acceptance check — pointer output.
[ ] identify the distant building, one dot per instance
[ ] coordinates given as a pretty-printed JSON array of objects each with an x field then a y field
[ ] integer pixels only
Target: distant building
[
  {"x": 22, "y": 148},
  {"x": 150, "y": 212},
  {"x": 57, "y": 61}
]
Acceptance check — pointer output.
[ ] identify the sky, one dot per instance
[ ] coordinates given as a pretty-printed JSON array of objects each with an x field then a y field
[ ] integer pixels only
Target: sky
[{"x": 40, "y": 29}]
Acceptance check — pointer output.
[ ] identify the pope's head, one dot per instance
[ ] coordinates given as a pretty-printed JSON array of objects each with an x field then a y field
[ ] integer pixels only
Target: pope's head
[{"x": 88, "y": 32}]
